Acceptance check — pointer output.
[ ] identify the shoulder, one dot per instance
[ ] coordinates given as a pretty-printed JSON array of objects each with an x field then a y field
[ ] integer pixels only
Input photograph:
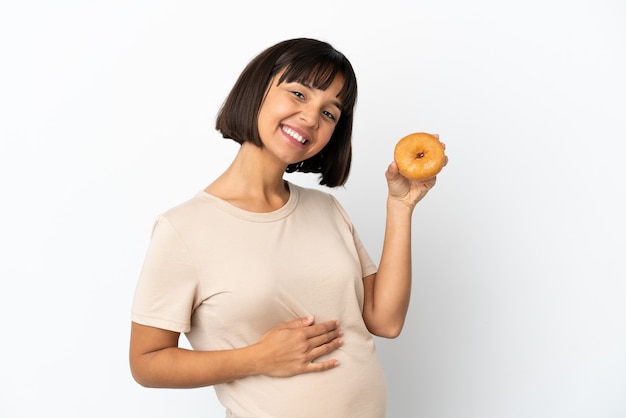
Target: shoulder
[
  {"x": 309, "y": 196},
  {"x": 321, "y": 201},
  {"x": 189, "y": 212},
  {"x": 310, "y": 193}
]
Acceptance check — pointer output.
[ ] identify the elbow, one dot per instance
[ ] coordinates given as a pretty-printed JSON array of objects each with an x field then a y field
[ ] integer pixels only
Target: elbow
[
  {"x": 390, "y": 334},
  {"x": 144, "y": 381},
  {"x": 389, "y": 331},
  {"x": 384, "y": 326},
  {"x": 140, "y": 376},
  {"x": 141, "y": 382}
]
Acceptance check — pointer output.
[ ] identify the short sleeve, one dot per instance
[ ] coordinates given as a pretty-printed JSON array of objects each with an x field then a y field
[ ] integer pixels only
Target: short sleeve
[
  {"x": 167, "y": 288},
  {"x": 368, "y": 267}
]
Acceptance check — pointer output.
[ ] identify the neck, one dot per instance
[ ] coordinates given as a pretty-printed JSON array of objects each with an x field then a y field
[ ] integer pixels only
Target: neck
[{"x": 251, "y": 182}]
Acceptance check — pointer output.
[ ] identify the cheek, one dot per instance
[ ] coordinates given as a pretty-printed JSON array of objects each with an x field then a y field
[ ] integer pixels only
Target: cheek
[
  {"x": 327, "y": 133},
  {"x": 323, "y": 138}
]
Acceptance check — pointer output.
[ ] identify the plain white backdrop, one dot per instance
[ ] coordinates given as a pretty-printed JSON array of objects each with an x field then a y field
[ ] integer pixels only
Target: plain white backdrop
[{"x": 519, "y": 299}]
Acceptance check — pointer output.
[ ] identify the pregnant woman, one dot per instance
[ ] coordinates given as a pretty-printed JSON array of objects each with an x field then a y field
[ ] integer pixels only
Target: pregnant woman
[{"x": 267, "y": 279}]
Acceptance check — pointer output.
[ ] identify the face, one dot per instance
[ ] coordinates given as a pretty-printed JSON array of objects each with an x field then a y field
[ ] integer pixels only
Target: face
[{"x": 296, "y": 121}]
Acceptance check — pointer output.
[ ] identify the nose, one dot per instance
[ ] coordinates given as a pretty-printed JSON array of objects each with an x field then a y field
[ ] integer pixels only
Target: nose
[{"x": 310, "y": 116}]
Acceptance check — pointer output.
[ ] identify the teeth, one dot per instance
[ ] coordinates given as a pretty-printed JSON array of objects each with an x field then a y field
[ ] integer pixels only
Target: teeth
[{"x": 294, "y": 135}]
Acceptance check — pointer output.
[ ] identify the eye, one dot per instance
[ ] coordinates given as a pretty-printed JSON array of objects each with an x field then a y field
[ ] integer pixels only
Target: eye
[
  {"x": 329, "y": 115},
  {"x": 297, "y": 94}
]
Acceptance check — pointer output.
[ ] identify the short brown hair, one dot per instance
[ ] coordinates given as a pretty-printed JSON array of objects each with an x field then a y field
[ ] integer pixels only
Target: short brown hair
[{"x": 308, "y": 61}]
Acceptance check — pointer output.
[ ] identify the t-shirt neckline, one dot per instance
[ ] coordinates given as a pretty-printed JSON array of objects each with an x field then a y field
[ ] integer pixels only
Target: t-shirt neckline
[{"x": 272, "y": 216}]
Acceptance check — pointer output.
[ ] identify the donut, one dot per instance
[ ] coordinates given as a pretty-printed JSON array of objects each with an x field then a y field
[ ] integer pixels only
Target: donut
[{"x": 419, "y": 156}]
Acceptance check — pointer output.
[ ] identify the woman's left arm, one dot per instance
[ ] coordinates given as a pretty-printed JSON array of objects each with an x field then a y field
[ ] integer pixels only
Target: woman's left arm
[{"x": 387, "y": 292}]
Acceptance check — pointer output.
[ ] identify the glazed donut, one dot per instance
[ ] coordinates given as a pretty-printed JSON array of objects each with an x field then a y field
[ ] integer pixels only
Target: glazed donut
[{"x": 419, "y": 156}]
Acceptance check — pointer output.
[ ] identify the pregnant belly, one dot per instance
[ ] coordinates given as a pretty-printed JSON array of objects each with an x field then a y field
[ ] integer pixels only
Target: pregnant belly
[{"x": 356, "y": 388}]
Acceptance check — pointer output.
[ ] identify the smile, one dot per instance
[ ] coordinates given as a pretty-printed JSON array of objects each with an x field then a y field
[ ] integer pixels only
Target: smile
[{"x": 294, "y": 135}]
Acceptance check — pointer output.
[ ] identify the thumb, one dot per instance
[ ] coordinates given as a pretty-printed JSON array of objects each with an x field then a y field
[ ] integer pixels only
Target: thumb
[{"x": 392, "y": 168}]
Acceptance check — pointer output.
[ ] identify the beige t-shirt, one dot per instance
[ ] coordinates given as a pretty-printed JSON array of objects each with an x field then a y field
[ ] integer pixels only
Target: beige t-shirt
[{"x": 225, "y": 276}]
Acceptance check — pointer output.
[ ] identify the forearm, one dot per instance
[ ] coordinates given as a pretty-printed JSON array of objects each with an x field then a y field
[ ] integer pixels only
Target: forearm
[
  {"x": 390, "y": 289},
  {"x": 288, "y": 349},
  {"x": 175, "y": 367}
]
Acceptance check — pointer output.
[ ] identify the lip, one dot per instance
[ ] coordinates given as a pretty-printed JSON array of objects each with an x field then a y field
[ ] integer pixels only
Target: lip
[{"x": 287, "y": 131}]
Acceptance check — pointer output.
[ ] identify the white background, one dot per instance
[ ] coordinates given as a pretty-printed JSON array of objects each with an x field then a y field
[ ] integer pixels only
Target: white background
[{"x": 518, "y": 307}]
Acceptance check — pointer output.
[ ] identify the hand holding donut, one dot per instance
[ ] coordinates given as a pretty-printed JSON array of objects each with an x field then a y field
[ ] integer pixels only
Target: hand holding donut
[{"x": 418, "y": 158}]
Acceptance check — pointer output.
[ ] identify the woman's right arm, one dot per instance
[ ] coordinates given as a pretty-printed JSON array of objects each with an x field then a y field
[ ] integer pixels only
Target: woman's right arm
[{"x": 288, "y": 349}]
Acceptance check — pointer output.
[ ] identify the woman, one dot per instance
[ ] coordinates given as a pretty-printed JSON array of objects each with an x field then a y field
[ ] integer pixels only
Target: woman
[{"x": 268, "y": 280}]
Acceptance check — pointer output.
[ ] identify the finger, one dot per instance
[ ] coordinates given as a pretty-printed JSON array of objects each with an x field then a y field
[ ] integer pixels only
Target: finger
[
  {"x": 430, "y": 183},
  {"x": 324, "y": 349},
  {"x": 321, "y": 329},
  {"x": 321, "y": 366},
  {"x": 304, "y": 321},
  {"x": 393, "y": 173},
  {"x": 326, "y": 338}
]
